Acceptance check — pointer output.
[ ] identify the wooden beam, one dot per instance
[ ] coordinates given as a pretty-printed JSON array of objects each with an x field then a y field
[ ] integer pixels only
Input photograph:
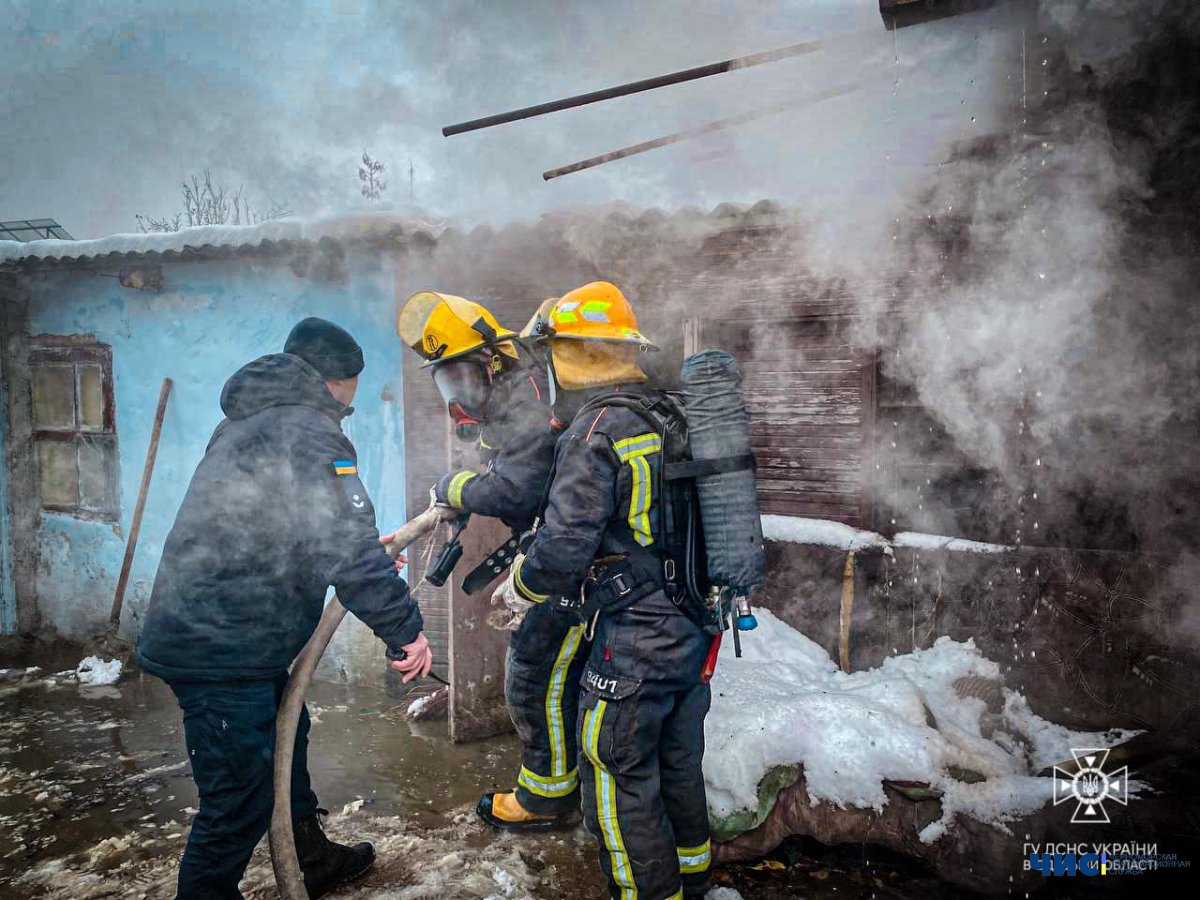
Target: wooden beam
[
  {"x": 698, "y": 131},
  {"x": 635, "y": 87}
]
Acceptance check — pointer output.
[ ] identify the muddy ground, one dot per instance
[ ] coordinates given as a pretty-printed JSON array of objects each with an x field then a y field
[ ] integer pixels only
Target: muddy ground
[{"x": 96, "y": 799}]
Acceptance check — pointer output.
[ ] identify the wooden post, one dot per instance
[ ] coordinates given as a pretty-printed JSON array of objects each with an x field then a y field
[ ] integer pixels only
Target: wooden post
[{"x": 847, "y": 611}]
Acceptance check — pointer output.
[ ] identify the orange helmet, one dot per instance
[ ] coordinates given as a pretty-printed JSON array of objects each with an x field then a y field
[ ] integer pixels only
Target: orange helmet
[{"x": 596, "y": 312}]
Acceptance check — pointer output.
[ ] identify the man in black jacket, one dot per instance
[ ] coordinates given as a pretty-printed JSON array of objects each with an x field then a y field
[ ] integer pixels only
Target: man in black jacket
[
  {"x": 274, "y": 515},
  {"x": 497, "y": 394}
]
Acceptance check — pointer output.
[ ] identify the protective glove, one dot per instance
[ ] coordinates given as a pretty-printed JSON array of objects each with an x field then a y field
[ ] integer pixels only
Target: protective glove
[
  {"x": 506, "y": 595},
  {"x": 417, "y": 661}
]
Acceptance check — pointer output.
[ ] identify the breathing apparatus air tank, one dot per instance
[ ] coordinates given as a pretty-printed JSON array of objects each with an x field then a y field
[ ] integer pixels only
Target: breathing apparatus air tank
[{"x": 719, "y": 436}]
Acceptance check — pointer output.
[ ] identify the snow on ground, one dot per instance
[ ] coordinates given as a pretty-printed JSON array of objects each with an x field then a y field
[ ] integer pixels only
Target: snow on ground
[
  {"x": 419, "y": 704},
  {"x": 95, "y": 670},
  {"x": 13, "y": 674},
  {"x": 786, "y": 702},
  {"x": 413, "y": 864}
]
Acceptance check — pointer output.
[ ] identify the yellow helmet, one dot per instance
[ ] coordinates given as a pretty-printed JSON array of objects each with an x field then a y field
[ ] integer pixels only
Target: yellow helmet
[
  {"x": 596, "y": 312},
  {"x": 536, "y": 326},
  {"x": 442, "y": 327}
]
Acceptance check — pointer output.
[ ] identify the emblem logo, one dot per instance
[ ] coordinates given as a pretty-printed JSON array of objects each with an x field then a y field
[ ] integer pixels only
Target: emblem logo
[{"x": 1091, "y": 786}]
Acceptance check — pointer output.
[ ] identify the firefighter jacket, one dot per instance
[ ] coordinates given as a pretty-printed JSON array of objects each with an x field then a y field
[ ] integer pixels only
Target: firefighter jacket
[
  {"x": 603, "y": 501},
  {"x": 517, "y": 447},
  {"x": 274, "y": 515}
]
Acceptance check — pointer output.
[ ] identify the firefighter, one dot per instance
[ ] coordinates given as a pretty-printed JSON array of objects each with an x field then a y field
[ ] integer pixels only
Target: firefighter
[
  {"x": 274, "y": 514},
  {"x": 641, "y": 723},
  {"x": 496, "y": 393}
]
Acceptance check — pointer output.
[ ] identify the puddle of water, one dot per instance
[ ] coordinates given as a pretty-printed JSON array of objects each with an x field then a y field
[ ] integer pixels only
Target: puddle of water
[{"x": 96, "y": 799}]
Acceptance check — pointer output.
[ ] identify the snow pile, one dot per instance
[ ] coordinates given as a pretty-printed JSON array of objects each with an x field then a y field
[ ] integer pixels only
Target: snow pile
[
  {"x": 417, "y": 706},
  {"x": 838, "y": 536},
  {"x": 915, "y": 540},
  {"x": 935, "y": 716},
  {"x": 95, "y": 670},
  {"x": 821, "y": 533}
]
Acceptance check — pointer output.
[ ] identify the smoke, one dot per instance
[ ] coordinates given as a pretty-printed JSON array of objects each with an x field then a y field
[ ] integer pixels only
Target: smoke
[
  {"x": 283, "y": 97},
  {"x": 1051, "y": 273}
]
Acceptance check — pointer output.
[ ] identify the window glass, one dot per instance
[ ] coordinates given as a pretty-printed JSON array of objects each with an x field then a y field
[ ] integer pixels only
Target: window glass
[
  {"x": 91, "y": 398},
  {"x": 73, "y": 426},
  {"x": 93, "y": 475},
  {"x": 57, "y": 473},
  {"x": 54, "y": 396}
]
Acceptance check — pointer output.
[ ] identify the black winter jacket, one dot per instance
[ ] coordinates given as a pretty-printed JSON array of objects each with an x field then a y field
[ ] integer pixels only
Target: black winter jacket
[
  {"x": 274, "y": 515},
  {"x": 517, "y": 446},
  {"x": 604, "y": 500}
]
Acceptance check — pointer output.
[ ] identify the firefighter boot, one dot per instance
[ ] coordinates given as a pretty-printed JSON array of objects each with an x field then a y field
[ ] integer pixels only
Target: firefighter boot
[
  {"x": 327, "y": 864},
  {"x": 505, "y": 811}
]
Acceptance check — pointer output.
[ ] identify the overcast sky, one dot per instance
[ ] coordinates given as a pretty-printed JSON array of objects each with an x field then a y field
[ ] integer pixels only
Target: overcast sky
[{"x": 107, "y": 106}]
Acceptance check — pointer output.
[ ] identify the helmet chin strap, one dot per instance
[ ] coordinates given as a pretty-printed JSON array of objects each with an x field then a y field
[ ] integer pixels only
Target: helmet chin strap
[{"x": 551, "y": 380}]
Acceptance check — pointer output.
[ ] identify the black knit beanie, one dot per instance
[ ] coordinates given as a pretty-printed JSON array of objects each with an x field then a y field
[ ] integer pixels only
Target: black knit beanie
[{"x": 326, "y": 347}]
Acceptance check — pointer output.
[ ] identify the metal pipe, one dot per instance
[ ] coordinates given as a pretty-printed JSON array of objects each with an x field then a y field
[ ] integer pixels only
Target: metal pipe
[
  {"x": 698, "y": 131},
  {"x": 635, "y": 87},
  {"x": 288, "y": 877}
]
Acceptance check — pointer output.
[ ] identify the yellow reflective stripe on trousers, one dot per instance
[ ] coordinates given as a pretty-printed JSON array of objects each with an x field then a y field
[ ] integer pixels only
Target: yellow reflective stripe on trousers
[
  {"x": 694, "y": 859},
  {"x": 634, "y": 451},
  {"x": 554, "y": 695},
  {"x": 548, "y": 787},
  {"x": 606, "y": 803},
  {"x": 455, "y": 488}
]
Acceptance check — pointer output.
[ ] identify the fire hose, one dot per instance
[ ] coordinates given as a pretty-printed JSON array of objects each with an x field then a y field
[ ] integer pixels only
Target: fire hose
[{"x": 284, "y": 861}]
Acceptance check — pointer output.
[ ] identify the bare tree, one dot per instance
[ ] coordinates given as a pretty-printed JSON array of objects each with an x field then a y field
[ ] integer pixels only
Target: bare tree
[
  {"x": 209, "y": 203},
  {"x": 370, "y": 174}
]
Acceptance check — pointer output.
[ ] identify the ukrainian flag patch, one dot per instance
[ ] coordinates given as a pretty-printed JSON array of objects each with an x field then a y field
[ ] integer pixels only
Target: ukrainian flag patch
[{"x": 344, "y": 467}]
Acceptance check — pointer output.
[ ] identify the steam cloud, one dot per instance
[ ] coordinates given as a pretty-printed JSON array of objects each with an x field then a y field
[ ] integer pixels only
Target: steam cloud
[{"x": 1064, "y": 354}]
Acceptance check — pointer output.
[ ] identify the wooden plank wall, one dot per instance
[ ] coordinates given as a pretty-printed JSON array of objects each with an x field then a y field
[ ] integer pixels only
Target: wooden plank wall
[{"x": 810, "y": 395}]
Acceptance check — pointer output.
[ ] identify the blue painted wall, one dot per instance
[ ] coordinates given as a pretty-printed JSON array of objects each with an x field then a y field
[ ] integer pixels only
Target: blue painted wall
[{"x": 211, "y": 318}]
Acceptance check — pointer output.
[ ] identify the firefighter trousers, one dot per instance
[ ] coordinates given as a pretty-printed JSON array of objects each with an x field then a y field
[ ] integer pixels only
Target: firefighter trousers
[
  {"x": 546, "y": 656},
  {"x": 641, "y": 736}
]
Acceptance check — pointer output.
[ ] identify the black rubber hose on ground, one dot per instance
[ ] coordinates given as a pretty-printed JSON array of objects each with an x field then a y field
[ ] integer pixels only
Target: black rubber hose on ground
[{"x": 283, "y": 843}]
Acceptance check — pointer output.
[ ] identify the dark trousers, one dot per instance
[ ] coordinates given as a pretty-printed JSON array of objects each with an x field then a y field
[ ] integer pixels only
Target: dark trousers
[
  {"x": 230, "y": 733},
  {"x": 541, "y": 686},
  {"x": 641, "y": 738}
]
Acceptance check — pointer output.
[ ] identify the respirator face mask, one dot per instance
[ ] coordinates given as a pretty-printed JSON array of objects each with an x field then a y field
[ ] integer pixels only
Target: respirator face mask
[{"x": 466, "y": 387}]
